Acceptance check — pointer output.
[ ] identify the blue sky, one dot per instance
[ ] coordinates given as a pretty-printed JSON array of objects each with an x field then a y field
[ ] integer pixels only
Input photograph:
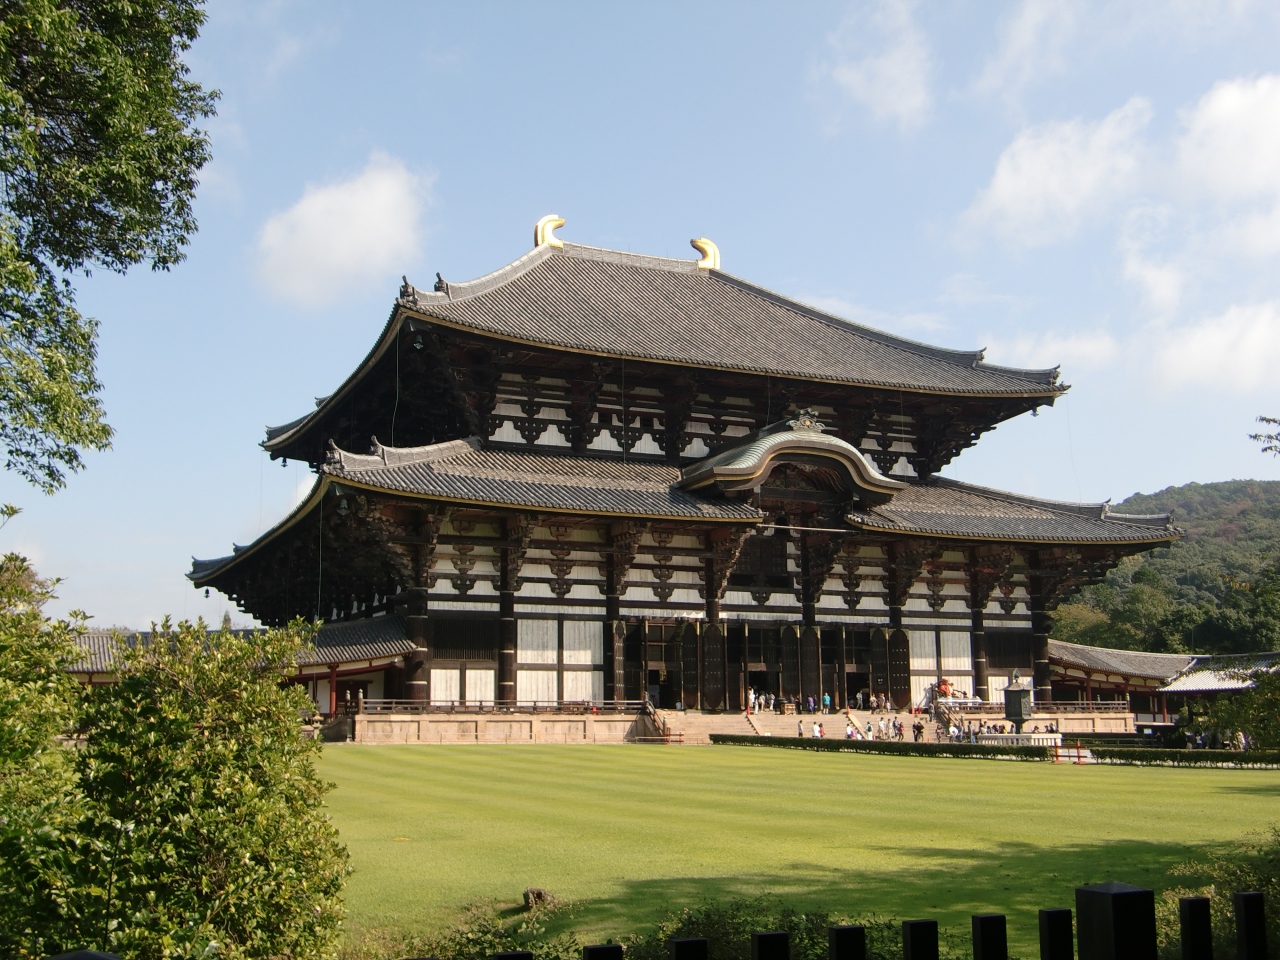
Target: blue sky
[{"x": 1091, "y": 184}]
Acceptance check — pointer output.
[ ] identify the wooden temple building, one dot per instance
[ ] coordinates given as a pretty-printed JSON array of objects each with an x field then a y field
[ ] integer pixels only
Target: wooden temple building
[{"x": 598, "y": 476}]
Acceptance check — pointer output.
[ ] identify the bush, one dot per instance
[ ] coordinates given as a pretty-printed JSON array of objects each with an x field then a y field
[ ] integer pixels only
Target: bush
[
  {"x": 38, "y": 801},
  {"x": 1187, "y": 758},
  {"x": 203, "y": 831},
  {"x": 1251, "y": 864},
  {"x": 905, "y": 748}
]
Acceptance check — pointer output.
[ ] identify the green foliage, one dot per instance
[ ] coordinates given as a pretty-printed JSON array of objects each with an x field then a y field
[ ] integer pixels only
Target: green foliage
[
  {"x": 1215, "y": 591},
  {"x": 98, "y": 155},
  {"x": 1186, "y": 758},
  {"x": 203, "y": 822},
  {"x": 481, "y": 933},
  {"x": 1255, "y": 711},
  {"x": 37, "y": 786},
  {"x": 726, "y": 926},
  {"x": 1251, "y": 864},
  {"x": 905, "y": 748}
]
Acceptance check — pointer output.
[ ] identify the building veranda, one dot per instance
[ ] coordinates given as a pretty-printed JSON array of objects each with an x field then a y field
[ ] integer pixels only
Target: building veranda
[{"x": 593, "y": 476}]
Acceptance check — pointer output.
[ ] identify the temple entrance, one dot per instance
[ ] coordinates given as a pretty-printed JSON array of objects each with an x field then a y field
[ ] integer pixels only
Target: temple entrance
[
  {"x": 856, "y": 683},
  {"x": 664, "y": 688}
]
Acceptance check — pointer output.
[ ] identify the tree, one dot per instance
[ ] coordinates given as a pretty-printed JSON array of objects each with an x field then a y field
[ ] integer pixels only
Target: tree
[
  {"x": 1270, "y": 441},
  {"x": 203, "y": 818},
  {"x": 1255, "y": 711},
  {"x": 38, "y": 797},
  {"x": 99, "y": 152}
]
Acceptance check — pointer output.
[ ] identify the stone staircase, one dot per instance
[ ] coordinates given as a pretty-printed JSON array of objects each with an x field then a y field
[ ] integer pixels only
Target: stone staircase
[
  {"x": 694, "y": 726},
  {"x": 778, "y": 725}
]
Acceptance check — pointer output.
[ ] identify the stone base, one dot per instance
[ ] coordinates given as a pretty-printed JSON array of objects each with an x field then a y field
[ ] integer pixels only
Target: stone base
[{"x": 499, "y": 728}]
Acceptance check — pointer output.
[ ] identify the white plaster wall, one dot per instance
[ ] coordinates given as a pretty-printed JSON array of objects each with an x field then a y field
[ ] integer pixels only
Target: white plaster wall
[{"x": 536, "y": 641}]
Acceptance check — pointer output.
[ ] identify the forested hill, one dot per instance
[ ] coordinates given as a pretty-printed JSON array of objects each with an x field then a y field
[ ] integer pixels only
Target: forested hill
[{"x": 1216, "y": 590}]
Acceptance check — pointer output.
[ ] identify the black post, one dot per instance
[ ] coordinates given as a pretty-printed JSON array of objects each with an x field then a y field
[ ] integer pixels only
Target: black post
[
  {"x": 694, "y": 948},
  {"x": 920, "y": 940},
  {"x": 514, "y": 955},
  {"x": 771, "y": 946},
  {"x": 1197, "y": 928},
  {"x": 990, "y": 937},
  {"x": 847, "y": 943},
  {"x": 1057, "y": 938},
  {"x": 1251, "y": 927},
  {"x": 1115, "y": 921},
  {"x": 603, "y": 951}
]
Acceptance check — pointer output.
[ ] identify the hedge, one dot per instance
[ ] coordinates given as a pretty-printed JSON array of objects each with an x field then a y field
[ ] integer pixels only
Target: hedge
[
  {"x": 1187, "y": 758},
  {"x": 903, "y": 748}
]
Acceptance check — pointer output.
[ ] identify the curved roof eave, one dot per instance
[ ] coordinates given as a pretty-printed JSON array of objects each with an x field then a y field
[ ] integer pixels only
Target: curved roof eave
[{"x": 201, "y": 577}]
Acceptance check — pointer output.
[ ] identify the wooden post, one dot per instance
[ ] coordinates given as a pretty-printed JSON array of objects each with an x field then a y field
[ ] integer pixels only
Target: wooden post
[
  {"x": 1115, "y": 921},
  {"x": 333, "y": 690},
  {"x": 1039, "y": 635},
  {"x": 1057, "y": 940},
  {"x": 978, "y": 651},
  {"x": 847, "y": 943},
  {"x": 920, "y": 940},
  {"x": 990, "y": 937},
  {"x": 1251, "y": 926},
  {"x": 1197, "y": 928}
]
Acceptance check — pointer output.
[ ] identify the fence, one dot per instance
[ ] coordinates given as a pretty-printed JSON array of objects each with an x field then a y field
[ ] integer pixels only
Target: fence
[
  {"x": 384, "y": 706},
  {"x": 1113, "y": 921}
]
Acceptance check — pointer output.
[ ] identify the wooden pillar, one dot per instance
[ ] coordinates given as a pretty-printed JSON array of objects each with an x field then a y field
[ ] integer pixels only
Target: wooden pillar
[
  {"x": 1040, "y": 637},
  {"x": 417, "y": 663},
  {"x": 978, "y": 650},
  {"x": 1164, "y": 707},
  {"x": 333, "y": 690},
  {"x": 506, "y": 693},
  {"x": 842, "y": 682}
]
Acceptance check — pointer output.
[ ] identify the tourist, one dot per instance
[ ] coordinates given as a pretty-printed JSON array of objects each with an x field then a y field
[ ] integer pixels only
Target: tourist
[
  {"x": 858, "y": 700},
  {"x": 809, "y": 704},
  {"x": 826, "y": 703},
  {"x": 848, "y": 730},
  {"x": 917, "y": 732},
  {"x": 799, "y": 728},
  {"x": 817, "y": 729},
  {"x": 822, "y": 731},
  {"x": 870, "y": 733}
]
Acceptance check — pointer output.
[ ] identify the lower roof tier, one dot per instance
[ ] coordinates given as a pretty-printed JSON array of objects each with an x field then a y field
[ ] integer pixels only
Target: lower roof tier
[{"x": 373, "y": 520}]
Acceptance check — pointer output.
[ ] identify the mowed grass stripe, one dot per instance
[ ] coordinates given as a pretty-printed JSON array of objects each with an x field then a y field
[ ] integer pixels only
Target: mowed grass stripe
[{"x": 631, "y": 832}]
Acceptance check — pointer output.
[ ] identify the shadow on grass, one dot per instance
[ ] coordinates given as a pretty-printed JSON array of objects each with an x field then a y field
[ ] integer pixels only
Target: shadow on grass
[
  {"x": 1257, "y": 789},
  {"x": 949, "y": 885}
]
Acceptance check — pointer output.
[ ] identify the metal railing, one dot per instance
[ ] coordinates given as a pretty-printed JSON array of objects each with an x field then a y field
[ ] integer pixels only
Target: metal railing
[
  {"x": 385, "y": 706},
  {"x": 996, "y": 707}
]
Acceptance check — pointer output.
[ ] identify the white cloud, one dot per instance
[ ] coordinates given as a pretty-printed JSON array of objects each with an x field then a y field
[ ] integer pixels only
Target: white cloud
[
  {"x": 1055, "y": 175},
  {"x": 883, "y": 61},
  {"x": 1032, "y": 46},
  {"x": 1145, "y": 227},
  {"x": 1231, "y": 146},
  {"x": 1230, "y": 153},
  {"x": 341, "y": 236},
  {"x": 1239, "y": 350},
  {"x": 1040, "y": 351}
]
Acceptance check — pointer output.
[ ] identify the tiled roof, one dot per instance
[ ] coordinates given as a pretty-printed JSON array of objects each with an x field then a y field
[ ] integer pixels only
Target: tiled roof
[
  {"x": 97, "y": 652},
  {"x": 1125, "y": 663},
  {"x": 624, "y": 305},
  {"x": 462, "y": 470},
  {"x": 351, "y": 641},
  {"x": 1221, "y": 674},
  {"x": 370, "y": 638},
  {"x": 948, "y": 508}
]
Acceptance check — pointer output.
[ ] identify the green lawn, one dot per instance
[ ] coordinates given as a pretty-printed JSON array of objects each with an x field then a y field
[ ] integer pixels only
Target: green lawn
[{"x": 630, "y": 832}]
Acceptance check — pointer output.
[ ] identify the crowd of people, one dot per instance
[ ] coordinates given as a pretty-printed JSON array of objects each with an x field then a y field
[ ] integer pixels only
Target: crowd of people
[
  {"x": 758, "y": 701},
  {"x": 970, "y": 732}
]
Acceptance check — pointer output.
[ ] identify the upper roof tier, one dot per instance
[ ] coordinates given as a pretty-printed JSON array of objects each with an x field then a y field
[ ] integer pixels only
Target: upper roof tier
[{"x": 623, "y": 305}]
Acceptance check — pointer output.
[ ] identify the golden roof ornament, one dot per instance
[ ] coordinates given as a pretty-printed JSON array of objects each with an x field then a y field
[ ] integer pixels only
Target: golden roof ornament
[
  {"x": 544, "y": 232},
  {"x": 710, "y": 253}
]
